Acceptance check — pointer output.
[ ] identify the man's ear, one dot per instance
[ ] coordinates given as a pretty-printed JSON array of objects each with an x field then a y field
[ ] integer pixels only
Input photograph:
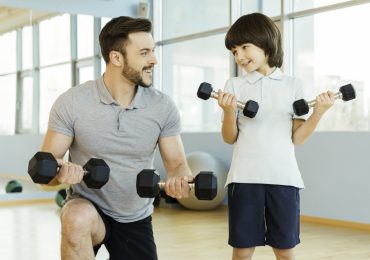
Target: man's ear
[{"x": 116, "y": 58}]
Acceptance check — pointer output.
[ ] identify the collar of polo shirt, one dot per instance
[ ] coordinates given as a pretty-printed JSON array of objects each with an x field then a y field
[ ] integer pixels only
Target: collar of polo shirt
[
  {"x": 106, "y": 98},
  {"x": 254, "y": 76}
]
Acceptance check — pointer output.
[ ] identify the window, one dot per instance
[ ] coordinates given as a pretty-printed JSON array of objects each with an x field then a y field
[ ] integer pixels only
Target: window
[
  {"x": 331, "y": 50},
  {"x": 85, "y": 36},
  {"x": 7, "y": 104},
  {"x": 192, "y": 16},
  {"x": 86, "y": 74},
  {"x": 55, "y": 37},
  {"x": 27, "y": 103},
  {"x": 27, "y": 47},
  {"x": 53, "y": 82},
  {"x": 300, "y": 5},
  {"x": 185, "y": 66},
  {"x": 8, "y": 52},
  {"x": 267, "y": 7}
]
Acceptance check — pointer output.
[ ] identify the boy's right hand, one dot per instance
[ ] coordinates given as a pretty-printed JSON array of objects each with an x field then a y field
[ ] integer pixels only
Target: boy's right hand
[
  {"x": 69, "y": 173},
  {"x": 227, "y": 101}
]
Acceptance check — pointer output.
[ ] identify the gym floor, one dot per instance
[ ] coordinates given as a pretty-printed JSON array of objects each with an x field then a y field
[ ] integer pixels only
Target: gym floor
[{"x": 32, "y": 231}]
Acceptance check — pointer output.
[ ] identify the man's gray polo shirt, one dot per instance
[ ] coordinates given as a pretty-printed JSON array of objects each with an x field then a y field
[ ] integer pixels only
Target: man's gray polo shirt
[{"x": 124, "y": 137}]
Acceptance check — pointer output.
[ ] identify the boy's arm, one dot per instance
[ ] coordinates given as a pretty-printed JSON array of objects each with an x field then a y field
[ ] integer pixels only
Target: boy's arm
[
  {"x": 229, "y": 128},
  {"x": 302, "y": 129}
]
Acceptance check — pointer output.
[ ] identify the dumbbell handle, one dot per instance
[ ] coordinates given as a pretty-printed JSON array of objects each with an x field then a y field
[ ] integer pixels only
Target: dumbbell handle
[
  {"x": 85, "y": 171},
  {"x": 239, "y": 104},
  {"x": 162, "y": 184},
  {"x": 337, "y": 95}
]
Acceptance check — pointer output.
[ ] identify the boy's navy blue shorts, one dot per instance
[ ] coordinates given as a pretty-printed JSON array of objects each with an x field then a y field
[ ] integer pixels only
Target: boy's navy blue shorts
[{"x": 263, "y": 214}]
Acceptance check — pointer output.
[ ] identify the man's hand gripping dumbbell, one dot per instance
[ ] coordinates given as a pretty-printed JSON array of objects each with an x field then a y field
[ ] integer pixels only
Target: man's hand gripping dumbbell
[
  {"x": 148, "y": 185},
  {"x": 43, "y": 168}
]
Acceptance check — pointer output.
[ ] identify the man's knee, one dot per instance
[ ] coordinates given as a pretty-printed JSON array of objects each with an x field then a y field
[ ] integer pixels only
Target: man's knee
[{"x": 78, "y": 218}]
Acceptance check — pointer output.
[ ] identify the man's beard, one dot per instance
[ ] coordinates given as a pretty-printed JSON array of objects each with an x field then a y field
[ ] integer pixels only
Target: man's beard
[{"x": 134, "y": 75}]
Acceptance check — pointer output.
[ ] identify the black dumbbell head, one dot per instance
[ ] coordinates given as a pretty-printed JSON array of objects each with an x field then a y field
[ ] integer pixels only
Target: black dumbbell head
[
  {"x": 205, "y": 186},
  {"x": 204, "y": 91},
  {"x": 250, "y": 109},
  {"x": 348, "y": 92},
  {"x": 42, "y": 167},
  {"x": 300, "y": 107},
  {"x": 147, "y": 183},
  {"x": 98, "y": 173}
]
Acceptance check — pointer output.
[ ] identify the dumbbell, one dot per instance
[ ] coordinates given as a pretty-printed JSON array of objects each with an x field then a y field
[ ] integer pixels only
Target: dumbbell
[
  {"x": 43, "y": 168},
  {"x": 13, "y": 186},
  {"x": 148, "y": 185},
  {"x": 60, "y": 197},
  {"x": 249, "y": 109},
  {"x": 302, "y": 107}
]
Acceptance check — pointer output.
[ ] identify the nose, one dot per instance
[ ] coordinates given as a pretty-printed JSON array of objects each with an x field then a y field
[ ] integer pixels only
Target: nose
[{"x": 153, "y": 59}]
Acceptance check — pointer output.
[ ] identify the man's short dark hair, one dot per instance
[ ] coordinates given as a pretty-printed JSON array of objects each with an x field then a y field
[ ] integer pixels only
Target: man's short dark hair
[
  {"x": 114, "y": 35},
  {"x": 259, "y": 30}
]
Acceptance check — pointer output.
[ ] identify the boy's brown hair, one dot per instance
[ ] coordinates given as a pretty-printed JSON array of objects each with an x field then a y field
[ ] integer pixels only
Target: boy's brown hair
[
  {"x": 259, "y": 30},
  {"x": 114, "y": 35}
]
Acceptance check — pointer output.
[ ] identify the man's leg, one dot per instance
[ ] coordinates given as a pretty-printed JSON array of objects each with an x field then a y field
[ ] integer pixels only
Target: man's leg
[{"x": 82, "y": 228}]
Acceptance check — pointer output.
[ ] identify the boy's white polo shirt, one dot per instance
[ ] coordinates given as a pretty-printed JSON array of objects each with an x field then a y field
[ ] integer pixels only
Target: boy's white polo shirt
[{"x": 264, "y": 151}]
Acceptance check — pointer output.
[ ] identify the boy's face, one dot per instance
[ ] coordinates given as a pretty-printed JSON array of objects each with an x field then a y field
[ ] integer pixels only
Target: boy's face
[
  {"x": 250, "y": 58},
  {"x": 140, "y": 59}
]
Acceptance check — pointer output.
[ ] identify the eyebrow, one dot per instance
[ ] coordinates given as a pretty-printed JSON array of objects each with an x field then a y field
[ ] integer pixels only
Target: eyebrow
[{"x": 146, "y": 49}]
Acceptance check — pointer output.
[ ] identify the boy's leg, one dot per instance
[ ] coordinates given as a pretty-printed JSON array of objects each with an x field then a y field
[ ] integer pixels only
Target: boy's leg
[
  {"x": 243, "y": 253},
  {"x": 282, "y": 220},
  {"x": 284, "y": 254},
  {"x": 82, "y": 228},
  {"x": 246, "y": 204}
]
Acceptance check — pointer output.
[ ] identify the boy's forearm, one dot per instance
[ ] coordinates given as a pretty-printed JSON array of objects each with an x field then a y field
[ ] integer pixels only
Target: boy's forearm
[
  {"x": 229, "y": 128},
  {"x": 301, "y": 134}
]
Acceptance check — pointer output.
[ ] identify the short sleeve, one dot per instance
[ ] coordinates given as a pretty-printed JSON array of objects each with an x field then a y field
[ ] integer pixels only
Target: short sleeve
[
  {"x": 172, "y": 124},
  {"x": 61, "y": 115},
  {"x": 302, "y": 92}
]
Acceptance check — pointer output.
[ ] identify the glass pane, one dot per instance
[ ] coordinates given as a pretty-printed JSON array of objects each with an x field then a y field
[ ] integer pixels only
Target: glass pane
[
  {"x": 185, "y": 66},
  {"x": 27, "y": 103},
  {"x": 55, "y": 40},
  {"x": 299, "y": 5},
  {"x": 27, "y": 47},
  {"x": 102, "y": 65},
  {"x": 327, "y": 57},
  {"x": 53, "y": 82},
  {"x": 85, "y": 74},
  {"x": 7, "y": 104},
  {"x": 104, "y": 21},
  {"x": 85, "y": 34},
  {"x": 7, "y": 52},
  {"x": 187, "y": 17},
  {"x": 267, "y": 7}
]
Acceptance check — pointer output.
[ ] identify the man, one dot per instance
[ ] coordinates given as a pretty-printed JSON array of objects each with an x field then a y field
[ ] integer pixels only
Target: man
[{"x": 120, "y": 119}]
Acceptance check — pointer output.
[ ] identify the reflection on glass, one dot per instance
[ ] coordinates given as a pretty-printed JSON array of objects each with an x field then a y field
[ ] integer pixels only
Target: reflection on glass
[
  {"x": 7, "y": 104},
  {"x": 185, "y": 66},
  {"x": 299, "y": 5},
  {"x": 267, "y": 7},
  {"x": 27, "y": 49},
  {"x": 53, "y": 82},
  {"x": 85, "y": 34},
  {"x": 7, "y": 52},
  {"x": 331, "y": 50},
  {"x": 86, "y": 74},
  {"x": 27, "y": 103},
  {"x": 55, "y": 44},
  {"x": 187, "y": 17}
]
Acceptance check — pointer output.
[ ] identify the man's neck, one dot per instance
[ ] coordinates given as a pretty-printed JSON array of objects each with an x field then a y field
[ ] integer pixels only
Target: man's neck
[{"x": 121, "y": 90}]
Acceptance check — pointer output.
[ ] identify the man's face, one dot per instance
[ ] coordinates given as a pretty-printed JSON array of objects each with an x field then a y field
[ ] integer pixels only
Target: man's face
[{"x": 140, "y": 59}]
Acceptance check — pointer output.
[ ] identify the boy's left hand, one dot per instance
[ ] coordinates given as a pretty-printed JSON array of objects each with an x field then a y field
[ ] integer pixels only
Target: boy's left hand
[
  {"x": 178, "y": 186},
  {"x": 324, "y": 101}
]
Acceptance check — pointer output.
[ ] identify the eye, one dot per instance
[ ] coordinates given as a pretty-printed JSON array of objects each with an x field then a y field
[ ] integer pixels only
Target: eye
[{"x": 144, "y": 53}]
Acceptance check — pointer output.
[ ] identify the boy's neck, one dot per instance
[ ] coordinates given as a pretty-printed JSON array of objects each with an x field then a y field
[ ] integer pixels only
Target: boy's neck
[{"x": 266, "y": 70}]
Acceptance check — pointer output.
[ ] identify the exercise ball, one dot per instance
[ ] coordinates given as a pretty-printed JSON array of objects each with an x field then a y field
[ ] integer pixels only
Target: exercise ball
[{"x": 201, "y": 161}]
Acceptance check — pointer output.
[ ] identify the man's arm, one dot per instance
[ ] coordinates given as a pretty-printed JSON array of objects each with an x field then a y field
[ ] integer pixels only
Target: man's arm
[
  {"x": 58, "y": 144},
  {"x": 178, "y": 171}
]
